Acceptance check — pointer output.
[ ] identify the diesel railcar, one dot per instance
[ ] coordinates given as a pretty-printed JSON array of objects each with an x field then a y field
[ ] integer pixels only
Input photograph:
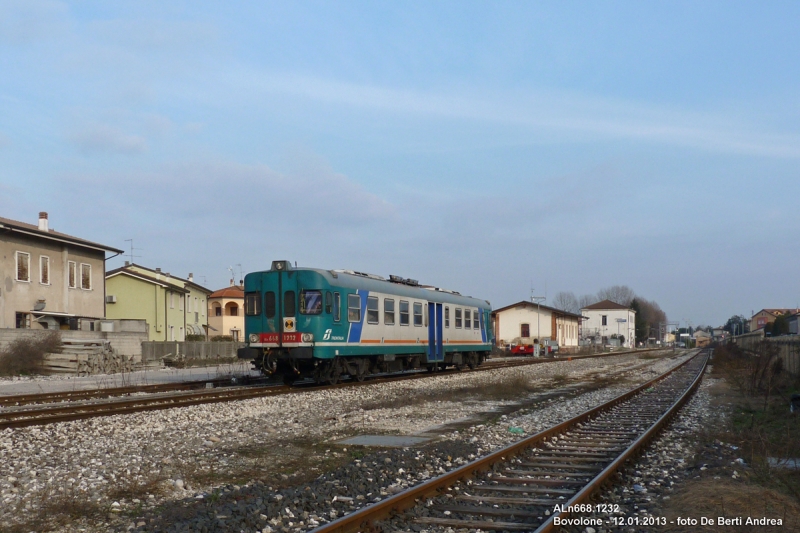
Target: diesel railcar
[{"x": 325, "y": 324}]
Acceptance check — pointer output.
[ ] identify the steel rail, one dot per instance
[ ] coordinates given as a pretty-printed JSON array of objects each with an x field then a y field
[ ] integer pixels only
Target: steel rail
[
  {"x": 78, "y": 411},
  {"x": 617, "y": 463},
  {"x": 365, "y": 518},
  {"x": 78, "y": 394}
]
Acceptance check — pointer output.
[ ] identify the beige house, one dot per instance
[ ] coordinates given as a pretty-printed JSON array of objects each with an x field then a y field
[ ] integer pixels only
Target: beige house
[
  {"x": 226, "y": 312},
  {"x": 526, "y": 320},
  {"x": 50, "y": 280}
]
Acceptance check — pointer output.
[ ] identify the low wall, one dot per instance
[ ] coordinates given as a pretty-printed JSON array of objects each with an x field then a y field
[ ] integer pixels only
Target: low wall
[
  {"x": 124, "y": 342},
  {"x": 157, "y": 350},
  {"x": 788, "y": 348}
]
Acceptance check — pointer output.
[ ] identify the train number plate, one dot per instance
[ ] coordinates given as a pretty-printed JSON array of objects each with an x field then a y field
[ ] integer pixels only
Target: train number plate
[{"x": 273, "y": 337}]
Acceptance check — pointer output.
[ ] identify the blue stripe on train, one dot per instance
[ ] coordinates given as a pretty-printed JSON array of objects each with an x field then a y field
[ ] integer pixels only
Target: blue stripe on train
[
  {"x": 355, "y": 328},
  {"x": 483, "y": 326}
]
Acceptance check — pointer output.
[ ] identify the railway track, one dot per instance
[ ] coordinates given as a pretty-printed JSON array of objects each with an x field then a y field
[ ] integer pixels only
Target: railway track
[
  {"x": 518, "y": 487},
  {"x": 77, "y": 405}
]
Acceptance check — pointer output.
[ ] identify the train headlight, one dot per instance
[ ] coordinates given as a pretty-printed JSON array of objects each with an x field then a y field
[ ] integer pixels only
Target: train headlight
[
  {"x": 254, "y": 337},
  {"x": 308, "y": 337}
]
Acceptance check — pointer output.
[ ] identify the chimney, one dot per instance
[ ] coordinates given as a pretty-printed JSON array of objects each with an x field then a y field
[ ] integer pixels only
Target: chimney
[
  {"x": 127, "y": 263},
  {"x": 43, "y": 221},
  {"x": 191, "y": 276},
  {"x": 231, "y": 282},
  {"x": 158, "y": 270}
]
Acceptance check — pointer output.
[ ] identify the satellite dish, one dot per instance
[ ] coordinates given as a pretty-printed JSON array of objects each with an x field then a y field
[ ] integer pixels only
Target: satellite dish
[{"x": 40, "y": 305}]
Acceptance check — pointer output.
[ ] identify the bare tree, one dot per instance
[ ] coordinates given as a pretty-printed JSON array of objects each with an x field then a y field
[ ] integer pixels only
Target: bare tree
[
  {"x": 587, "y": 300},
  {"x": 566, "y": 301},
  {"x": 621, "y": 294}
]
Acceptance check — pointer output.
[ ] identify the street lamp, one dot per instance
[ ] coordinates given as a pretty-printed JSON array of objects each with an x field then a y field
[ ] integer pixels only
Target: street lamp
[{"x": 538, "y": 300}]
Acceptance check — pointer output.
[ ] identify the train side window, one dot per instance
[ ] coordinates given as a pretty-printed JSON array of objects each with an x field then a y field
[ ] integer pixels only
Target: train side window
[
  {"x": 458, "y": 318},
  {"x": 403, "y": 313},
  {"x": 328, "y": 302},
  {"x": 269, "y": 304},
  {"x": 372, "y": 310},
  {"x": 467, "y": 320},
  {"x": 337, "y": 307},
  {"x": 446, "y": 317},
  {"x": 289, "y": 304},
  {"x": 476, "y": 320},
  {"x": 417, "y": 314},
  {"x": 388, "y": 312},
  {"x": 353, "y": 308},
  {"x": 252, "y": 304}
]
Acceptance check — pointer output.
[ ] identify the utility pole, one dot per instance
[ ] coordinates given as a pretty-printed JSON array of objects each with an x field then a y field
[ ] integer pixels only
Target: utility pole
[{"x": 538, "y": 300}]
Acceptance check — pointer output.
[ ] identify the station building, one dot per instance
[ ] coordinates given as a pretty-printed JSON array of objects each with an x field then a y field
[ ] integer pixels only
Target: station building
[{"x": 527, "y": 320}]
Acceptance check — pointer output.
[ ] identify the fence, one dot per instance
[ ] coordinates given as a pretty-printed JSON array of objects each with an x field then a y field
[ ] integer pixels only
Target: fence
[
  {"x": 156, "y": 350},
  {"x": 788, "y": 348}
]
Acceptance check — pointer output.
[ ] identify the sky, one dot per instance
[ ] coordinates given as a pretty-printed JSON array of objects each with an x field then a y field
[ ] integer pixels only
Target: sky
[{"x": 486, "y": 147}]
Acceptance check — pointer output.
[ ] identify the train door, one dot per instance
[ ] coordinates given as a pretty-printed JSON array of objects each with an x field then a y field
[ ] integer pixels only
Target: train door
[
  {"x": 435, "y": 342},
  {"x": 280, "y": 300}
]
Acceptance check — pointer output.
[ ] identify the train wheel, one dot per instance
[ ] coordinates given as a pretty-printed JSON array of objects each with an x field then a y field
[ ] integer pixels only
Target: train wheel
[{"x": 472, "y": 360}]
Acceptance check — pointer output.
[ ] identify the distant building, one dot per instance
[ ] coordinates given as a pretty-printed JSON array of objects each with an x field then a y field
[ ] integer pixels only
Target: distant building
[
  {"x": 536, "y": 322},
  {"x": 226, "y": 312},
  {"x": 609, "y": 320},
  {"x": 173, "y": 307},
  {"x": 765, "y": 316},
  {"x": 48, "y": 279},
  {"x": 701, "y": 338}
]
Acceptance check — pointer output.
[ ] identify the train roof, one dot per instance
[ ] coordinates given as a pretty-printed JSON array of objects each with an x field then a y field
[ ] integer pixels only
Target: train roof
[{"x": 394, "y": 285}]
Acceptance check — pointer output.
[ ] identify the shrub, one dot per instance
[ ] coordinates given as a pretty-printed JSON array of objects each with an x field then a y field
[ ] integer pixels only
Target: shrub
[
  {"x": 221, "y": 338},
  {"x": 26, "y": 355},
  {"x": 195, "y": 338}
]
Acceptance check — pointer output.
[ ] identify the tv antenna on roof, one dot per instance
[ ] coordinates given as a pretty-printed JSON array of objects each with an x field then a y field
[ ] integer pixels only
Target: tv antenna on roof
[{"x": 131, "y": 255}]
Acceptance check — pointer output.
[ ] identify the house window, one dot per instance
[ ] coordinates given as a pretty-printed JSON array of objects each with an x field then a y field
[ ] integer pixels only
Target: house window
[
  {"x": 86, "y": 276},
  {"x": 234, "y": 311},
  {"x": 337, "y": 307},
  {"x": 353, "y": 308},
  {"x": 417, "y": 314},
  {"x": 446, "y": 317},
  {"x": 467, "y": 320},
  {"x": 217, "y": 310},
  {"x": 44, "y": 270},
  {"x": 525, "y": 330},
  {"x": 458, "y": 318},
  {"x": 172, "y": 333},
  {"x": 403, "y": 313},
  {"x": 172, "y": 300},
  {"x": 180, "y": 302},
  {"x": 73, "y": 274},
  {"x": 604, "y": 320},
  {"x": 23, "y": 266},
  {"x": 372, "y": 310},
  {"x": 388, "y": 312}
]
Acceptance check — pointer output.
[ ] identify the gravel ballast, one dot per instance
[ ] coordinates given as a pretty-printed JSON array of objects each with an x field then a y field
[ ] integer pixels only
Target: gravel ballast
[{"x": 173, "y": 470}]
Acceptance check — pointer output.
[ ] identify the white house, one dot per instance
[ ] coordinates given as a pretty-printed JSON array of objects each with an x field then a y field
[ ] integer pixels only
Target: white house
[
  {"x": 539, "y": 322},
  {"x": 606, "y": 320}
]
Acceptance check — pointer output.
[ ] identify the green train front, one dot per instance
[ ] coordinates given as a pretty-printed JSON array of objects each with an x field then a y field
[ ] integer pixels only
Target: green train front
[{"x": 324, "y": 324}]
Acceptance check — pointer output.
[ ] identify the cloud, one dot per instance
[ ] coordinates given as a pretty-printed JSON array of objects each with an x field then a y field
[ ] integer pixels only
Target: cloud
[
  {"x": 99, "y": 138},
  {"x": 576, "y": 116}
]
